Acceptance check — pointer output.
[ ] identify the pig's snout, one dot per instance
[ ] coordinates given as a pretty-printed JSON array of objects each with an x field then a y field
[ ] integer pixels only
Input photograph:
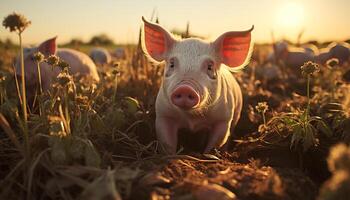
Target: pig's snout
[{"x": 185, "y": 97}]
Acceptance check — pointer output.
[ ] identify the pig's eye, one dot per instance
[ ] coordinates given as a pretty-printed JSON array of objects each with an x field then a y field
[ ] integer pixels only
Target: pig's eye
[
  {"x": 210, "y": 66},
  {"x": 210, "y": 69},
  {"x": 171, "y": 63}
]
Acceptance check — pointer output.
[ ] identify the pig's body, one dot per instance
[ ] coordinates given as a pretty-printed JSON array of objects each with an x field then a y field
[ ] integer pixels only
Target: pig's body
[
  {"x": 227, "y": 107},
  {"x": 100, "y": 56},
  {"x": 310, "y": 49},
  {"x": 292, "y": 57},
  {"x": 341, "y": 51},
  {"x": 198, "y": 89},
  {"x": 295, "y": 59},
  {"x": 79, "y": 64},
  {"x": 120, "y": 53},
  {"x": 323, "y": 56}
]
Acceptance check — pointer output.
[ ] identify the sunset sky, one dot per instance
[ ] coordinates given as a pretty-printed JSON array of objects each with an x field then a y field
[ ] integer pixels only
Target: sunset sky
[{"x": 320, "y": 19}]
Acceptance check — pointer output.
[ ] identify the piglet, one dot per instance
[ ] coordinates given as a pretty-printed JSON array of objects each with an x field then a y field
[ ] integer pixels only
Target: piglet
[
  {"x": 100, "y": 56},
  {"x": 79, "y": 63},
  {"x": 198, "y": 90},
  {"x": 292, "y": 57},
  {"x": 341, "y": 51}
]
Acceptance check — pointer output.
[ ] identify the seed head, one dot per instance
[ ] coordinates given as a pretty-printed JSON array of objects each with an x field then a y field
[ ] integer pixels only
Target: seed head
[
  {"x": 63, "y": 65},
  {"x": 64, "y": 79},
  {"x": 331, "y": 63},
  {"x": 262, "y": 107},
  {"x": 38, "y": 57},
  {"x": 309, "y": 68},
  {"x": 52, "y": 60},
  {"x": 16, "y": 22}
]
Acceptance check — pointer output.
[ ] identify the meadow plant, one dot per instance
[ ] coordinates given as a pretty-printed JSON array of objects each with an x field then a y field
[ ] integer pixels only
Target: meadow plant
[
  {"x": 38, "y": 59},
  {"x": 18, "y": 23},
  {"x": 262, "y": 107},
  {"x": 308, "y": 69}
]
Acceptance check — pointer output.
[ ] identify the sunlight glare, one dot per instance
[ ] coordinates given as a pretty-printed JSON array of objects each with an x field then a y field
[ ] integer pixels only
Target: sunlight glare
[{"x": 290, "y": 15}]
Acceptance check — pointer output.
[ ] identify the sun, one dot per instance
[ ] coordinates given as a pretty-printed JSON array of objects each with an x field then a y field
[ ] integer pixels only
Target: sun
[{"x": 290, "y": 15}]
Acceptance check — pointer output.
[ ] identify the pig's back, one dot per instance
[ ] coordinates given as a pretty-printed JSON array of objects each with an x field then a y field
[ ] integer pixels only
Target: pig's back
[
  {"x": 297, "y": 59},
  {"x": 79, "y": 63}
]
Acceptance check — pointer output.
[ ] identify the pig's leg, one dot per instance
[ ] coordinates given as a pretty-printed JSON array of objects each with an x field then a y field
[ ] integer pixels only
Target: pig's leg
[
  {"x": 166, "y": 129},
  {"x": 218, "y": 136}
]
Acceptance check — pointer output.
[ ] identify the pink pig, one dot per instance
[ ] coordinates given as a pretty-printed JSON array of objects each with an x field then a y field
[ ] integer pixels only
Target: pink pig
[
  {"x": 198, "y": 89},
  {"x": 79, "y": 63}
]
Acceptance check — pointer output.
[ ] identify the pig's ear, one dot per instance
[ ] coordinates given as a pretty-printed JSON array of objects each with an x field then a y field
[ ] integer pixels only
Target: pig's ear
[
  {"x": 234, "y": 48},
  {"x": 48, "y": 47},
  {"x": 156, "y": 41}
]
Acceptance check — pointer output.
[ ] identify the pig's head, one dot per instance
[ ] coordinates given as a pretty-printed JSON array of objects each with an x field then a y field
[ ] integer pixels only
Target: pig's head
[
  {"x": 193, "y": 67},
  {"x": 47, "y": 48}
]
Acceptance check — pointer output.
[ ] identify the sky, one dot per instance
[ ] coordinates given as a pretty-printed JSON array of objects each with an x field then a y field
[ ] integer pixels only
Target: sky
[{"x": 121, "y": 19}]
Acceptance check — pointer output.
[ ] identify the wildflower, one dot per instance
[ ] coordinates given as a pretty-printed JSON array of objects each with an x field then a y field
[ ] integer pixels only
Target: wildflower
[
  {"x": 262, "y": 107},
  {"x": 333, "y": 62},
  {"x": 64, "y": 79},
  {"x": 63, "y": 65},
  {"x": 38, "y": 57},
  {"x": 115, "y": 71},
  {"x": 52, "y": 60},
  {"x": 16, "y": 22},
  {"x": 309, "y": 68}
]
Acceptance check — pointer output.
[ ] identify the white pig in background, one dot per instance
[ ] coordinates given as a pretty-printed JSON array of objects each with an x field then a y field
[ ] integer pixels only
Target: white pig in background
[
  {"x": 310, "y": 49},
  {"x": 120, "y": 53},
  {"x": 100, "y": 56},
  {"x": 323, "y": 56},
  {"x": 79, "y": 63},
  {"x": 341, "y": 51},
  {"x": 292, "y": 57},
  {"x": 198, "y": 89}
]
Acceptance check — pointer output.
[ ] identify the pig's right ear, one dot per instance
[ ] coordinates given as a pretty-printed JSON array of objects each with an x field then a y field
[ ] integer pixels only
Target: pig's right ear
[
  {"x": 48, "y": 47},
  {"x": 234, "y": 48},
  {"x": 156, "y": 41}
]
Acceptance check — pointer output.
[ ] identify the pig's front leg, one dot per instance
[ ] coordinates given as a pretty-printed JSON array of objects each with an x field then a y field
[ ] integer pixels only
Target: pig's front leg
[
  {"x": 166, "y": 129},
  {"x": 218, "y": 136}
]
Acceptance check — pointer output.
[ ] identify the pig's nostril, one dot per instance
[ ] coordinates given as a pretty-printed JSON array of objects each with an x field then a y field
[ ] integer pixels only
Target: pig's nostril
[
  {"x": 191, "y": 97},
  {"x": 178, "y": 96}
]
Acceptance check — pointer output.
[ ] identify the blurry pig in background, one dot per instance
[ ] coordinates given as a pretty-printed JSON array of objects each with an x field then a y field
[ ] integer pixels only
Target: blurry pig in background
[
  {"x": 100, "y": 56},
  {"x": 292, "y": 57},
  {"x": 79, "y": 63},
  {"x": 198, "y": 89}
]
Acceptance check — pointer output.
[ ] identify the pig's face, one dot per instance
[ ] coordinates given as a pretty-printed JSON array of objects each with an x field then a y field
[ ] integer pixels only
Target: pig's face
[
  {"x": 193, "y": 70},
  {"x": 192, "y": 63},
  {"x": 30, "y": 67}
]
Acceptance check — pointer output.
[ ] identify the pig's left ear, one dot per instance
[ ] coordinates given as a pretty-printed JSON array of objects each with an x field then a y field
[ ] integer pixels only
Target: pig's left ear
[
  {"x": 48, "y": 47},
  {"x": 156, "y": 41},
  {"x": 234, "y": 48}
]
